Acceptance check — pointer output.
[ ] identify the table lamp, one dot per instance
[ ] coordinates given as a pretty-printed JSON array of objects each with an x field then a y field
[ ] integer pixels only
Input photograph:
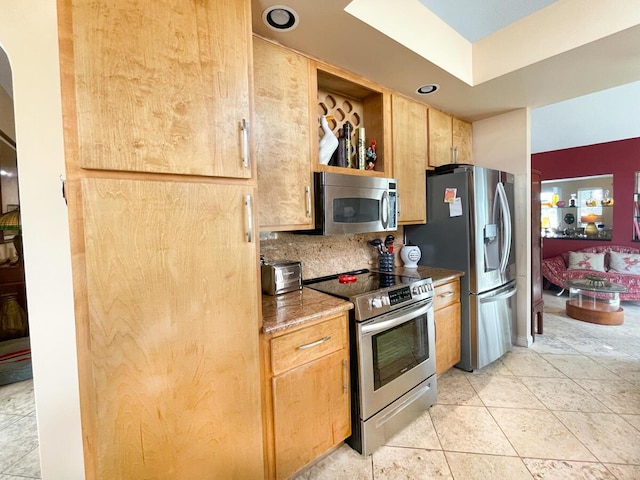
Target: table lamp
[
  {"x": 591, "y": 229},
  {"x": 10, "y": 221}
]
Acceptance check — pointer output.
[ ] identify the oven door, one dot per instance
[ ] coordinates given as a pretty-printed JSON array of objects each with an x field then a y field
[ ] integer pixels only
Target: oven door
[{"x": 396, "y": 352}]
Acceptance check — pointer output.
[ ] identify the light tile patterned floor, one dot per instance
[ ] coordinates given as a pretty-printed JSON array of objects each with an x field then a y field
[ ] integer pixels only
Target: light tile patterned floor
[
  {"x": 19, "y": 456},
  {"x": 566, "y": 408}
]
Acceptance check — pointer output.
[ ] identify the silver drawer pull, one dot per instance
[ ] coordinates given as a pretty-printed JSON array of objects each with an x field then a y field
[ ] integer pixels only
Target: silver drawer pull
[
  {"x": 445, "y": 295},
  {"x": 314, "y": 344}
]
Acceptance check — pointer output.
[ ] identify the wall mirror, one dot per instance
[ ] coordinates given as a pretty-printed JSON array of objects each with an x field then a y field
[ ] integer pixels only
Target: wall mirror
[{"x": 577, "y": 208}]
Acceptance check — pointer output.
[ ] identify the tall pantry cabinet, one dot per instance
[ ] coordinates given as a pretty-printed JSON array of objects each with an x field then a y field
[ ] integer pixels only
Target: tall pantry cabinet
[{"x": 161, "y": 187}]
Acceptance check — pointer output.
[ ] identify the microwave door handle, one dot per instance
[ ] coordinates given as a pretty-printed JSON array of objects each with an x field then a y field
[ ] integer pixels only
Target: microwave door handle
[{"x": 385, "y": 209}]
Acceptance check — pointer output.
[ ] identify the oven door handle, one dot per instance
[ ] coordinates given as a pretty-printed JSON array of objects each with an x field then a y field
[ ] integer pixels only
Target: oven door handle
[{"x": 379, "y": 326}]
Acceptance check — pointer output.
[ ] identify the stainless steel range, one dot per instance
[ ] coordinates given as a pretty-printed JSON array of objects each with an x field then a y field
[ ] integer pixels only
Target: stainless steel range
[{"x": 392, "y": 336}]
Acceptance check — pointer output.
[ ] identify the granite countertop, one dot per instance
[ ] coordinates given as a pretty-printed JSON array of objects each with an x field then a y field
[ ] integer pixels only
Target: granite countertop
[{"x": 291, "y": 309}]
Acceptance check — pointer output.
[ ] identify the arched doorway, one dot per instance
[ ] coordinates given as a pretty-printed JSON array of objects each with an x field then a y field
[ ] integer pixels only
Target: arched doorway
[{"x": 20, "y": 453}]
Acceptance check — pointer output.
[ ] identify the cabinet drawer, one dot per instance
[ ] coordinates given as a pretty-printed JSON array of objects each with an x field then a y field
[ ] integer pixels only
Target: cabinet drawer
[
  {"x": 446, "y": 294},
  {"x": 302, "y": 346}
]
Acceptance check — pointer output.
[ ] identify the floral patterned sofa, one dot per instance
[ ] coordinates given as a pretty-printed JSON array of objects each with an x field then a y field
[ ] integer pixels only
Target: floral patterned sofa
[{"x": 623, "y": 267}]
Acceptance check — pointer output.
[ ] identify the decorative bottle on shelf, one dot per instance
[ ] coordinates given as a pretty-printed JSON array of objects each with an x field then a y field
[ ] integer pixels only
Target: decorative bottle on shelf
[
  {"x": 361, "y": 150},
  {"x": 346, "y": 129},
  {"x": 340, "y": 156}
]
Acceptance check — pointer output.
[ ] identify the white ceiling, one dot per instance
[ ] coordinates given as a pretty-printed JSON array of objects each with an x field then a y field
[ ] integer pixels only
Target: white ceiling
[{"x": 562, "y": 50}]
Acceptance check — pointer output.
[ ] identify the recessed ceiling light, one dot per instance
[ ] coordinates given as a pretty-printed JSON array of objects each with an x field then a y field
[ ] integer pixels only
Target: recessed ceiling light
[
  {"x": 428, "y": 89},
  {"x": 280, "y": 18}
]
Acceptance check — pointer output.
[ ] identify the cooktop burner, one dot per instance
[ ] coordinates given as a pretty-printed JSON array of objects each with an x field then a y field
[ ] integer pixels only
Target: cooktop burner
[{"x": 373, "y": 293}]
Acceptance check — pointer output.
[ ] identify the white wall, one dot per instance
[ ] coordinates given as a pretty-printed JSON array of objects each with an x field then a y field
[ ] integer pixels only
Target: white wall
[
  {"x": 29, "y": 36},
  {"x": 604, "y": 116},
  {"x": 503, "y": 142}
]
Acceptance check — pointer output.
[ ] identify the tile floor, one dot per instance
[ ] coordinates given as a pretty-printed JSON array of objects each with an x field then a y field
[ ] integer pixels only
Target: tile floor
[
  {"x": 566, "y": 408},
  {"x": 19, "y": 453}
]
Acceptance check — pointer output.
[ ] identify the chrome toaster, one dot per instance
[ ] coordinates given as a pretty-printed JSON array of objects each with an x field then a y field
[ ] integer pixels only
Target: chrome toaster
[{"x": 281, "y": 277}]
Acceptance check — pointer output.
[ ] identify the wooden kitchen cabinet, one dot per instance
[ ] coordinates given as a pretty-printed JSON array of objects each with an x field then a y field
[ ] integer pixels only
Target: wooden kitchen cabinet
[
  {"x": 283, "y": 104},
  {"x": 307, "y": 393},
  {"x": 410, "y": 145},
  {"x": 165, "y": 100},
  {"x": 447, "y": 318},
  {"x": 165, "y": 266},
  {"x": 449, "y": 139},
  {"x": 169, "y": 362}
]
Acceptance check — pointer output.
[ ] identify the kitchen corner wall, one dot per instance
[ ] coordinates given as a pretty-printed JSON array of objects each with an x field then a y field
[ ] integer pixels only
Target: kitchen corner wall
[
  {"x": 503, "y": 142},
  {"x": 327, "y": 255}
]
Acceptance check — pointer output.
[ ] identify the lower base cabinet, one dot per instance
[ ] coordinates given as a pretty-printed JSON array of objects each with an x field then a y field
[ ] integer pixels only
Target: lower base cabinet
[
  {"x": 307, "y": 393},
  {"x": 447, "y": 319}
]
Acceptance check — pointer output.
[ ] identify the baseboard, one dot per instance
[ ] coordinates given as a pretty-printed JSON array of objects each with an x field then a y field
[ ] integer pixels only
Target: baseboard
[{"x": 523, "y": 341}]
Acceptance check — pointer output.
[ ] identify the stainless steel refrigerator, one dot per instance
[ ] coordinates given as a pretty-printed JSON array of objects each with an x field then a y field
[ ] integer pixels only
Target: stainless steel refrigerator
[{"x": 470, "y": 214}]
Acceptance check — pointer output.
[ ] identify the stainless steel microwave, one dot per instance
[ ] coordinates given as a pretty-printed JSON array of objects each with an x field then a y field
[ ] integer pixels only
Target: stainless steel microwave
[{"x": 354, "y": 204}]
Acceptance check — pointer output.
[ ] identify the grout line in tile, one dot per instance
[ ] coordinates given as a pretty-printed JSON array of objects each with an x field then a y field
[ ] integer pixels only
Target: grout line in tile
[{"x": 576, "y": 437}]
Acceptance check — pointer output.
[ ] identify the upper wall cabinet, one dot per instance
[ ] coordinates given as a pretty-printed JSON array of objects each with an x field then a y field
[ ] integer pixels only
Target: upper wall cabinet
[
  {"x": 409, "y": 121},
  {"x": 449, "y": 139},
  {"x": 283, "y": 126},
  {"x": 350, "y": 98},
  {"x": 179, "y": 103}
]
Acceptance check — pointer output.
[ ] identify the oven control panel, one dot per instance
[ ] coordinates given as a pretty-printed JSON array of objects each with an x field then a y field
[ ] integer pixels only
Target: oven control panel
[
  {"x": 387, "y": 299},
  {"x": 400, "y": 295}
]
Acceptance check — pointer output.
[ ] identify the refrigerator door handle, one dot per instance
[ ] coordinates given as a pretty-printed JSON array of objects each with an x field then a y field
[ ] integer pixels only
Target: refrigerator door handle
[
  {"x": 502, "y": 296},
  {"x": 501, "y": 194}
]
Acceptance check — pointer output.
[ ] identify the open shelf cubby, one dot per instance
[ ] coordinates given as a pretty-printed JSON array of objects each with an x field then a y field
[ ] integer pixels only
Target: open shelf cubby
[{"x": 360, "y": 105}]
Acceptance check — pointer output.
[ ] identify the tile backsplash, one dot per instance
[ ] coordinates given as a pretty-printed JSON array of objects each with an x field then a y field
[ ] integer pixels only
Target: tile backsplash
[{"x": 327, "y": 255}]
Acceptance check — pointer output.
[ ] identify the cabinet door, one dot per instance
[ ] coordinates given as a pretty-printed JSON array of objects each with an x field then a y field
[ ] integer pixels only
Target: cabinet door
[
  {"x": 311, "y": 411},
  {"x": 170, "y": 379},
  {"x": 162, "y": 88},
  {"x": 409, "y": 123},
  {"x": 462, "y": 133},
  {"x": 283, "y": 137},
  {"x": 447, "y": 337},
  {"x": 440, "y": 138}
]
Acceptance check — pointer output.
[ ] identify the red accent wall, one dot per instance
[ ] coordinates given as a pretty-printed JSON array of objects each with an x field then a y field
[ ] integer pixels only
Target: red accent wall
[{"x": 620, "y": 158}]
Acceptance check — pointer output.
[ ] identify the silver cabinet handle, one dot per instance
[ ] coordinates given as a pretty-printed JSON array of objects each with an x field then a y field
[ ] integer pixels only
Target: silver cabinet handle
[
  {"x": 245, "y": 143},
  {"x": 247, "y": 205},
  {"x": 307, "y": 191},
  {"x": 314, "y": 344},
  {"x": 446, "y": 294}
]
